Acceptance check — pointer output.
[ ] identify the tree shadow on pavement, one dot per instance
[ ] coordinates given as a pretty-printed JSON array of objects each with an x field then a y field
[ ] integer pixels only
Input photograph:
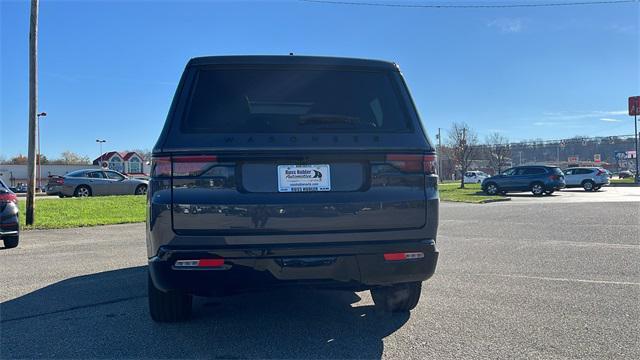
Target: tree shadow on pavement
[{"x": 105, "y": 315}]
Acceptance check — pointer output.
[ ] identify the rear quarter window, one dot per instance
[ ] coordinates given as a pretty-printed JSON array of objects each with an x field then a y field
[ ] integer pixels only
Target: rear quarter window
[{"x": 274, "y": 100}]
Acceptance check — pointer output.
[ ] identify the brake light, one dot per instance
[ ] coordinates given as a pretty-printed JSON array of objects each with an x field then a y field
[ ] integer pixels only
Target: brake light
[
  {"x": 414, "y": 162},
  {"x": 8, "y": 197},
  {"x": 192, "y": 165},
  {"x": 600, "y": 172},
  {"x": 58, "y": 180},
  {"x": 554, "y": 177}
]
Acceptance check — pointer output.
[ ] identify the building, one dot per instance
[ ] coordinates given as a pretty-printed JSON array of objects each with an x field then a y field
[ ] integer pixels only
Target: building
[{"x": 130, "y": 163}]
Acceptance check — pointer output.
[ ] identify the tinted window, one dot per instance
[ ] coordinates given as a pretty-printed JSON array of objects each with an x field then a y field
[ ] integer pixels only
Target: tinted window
[
  {"x": 114, "y": 175},
  {"x": 77, "y": 173},
  {"x": 534, "y": 171},
  {"x": 509, "y": 172},
  {"x": 277, "y": 100},
  {"x": 96, "y": 175}
]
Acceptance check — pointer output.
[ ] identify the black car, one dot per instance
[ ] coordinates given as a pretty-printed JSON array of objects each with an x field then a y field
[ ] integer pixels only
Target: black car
[
  {"x": 290, "y": 171},
  {"x": 538, "y": 179},
  {"x": 9, "y": 225}
]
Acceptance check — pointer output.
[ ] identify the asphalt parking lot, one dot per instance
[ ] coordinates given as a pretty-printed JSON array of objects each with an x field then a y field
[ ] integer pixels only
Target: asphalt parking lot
[{"x": 518, "y": 279}]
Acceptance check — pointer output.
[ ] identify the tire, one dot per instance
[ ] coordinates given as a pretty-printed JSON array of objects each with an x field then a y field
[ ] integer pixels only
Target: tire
[
  {"x": 397, "y": 298},
  {"x": 491, "y": 189},
  {"x": 11, "y": 241},
  {"x": 588, "y": 185},
  {"x": 537, "y": 189},
  {"x": 170, "y": 306},
  {"x": 141, "y": 190},
  {"x": 82, "y": 191}
]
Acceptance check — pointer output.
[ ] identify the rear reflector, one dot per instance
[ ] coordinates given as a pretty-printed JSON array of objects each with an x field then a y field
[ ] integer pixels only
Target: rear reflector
[
  {"x": 199, "y": 263},
  {"x": 414, "y": 163},
  {"x": 403, "y": 256}
]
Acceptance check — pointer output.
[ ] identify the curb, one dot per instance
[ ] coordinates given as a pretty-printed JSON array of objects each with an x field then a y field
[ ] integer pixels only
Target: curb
[
  {"x": 624, "y": 185},
  {"x": 495, "y": 200}
]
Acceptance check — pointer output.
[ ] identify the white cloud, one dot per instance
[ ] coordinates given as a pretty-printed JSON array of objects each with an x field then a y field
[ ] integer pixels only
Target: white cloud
[
  {"x": 507, "y": 25},
  {"x": 610, "y": 120}
]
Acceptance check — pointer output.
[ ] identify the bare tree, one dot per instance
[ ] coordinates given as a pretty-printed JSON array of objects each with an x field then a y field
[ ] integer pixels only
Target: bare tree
[
  {"x": 69, "y": 157},
  {"x": 499, "y": 151},
  {"x": 462, "y": 143}
]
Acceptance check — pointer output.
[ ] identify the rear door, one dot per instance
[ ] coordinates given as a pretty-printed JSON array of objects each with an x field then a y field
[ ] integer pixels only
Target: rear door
[
  {"x": 97, "y": 181},
  {"x": 277, "y": 150}
]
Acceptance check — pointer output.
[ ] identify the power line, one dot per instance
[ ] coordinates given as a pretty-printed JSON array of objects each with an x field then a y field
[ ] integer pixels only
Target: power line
[{"x": 471, "y": 6}]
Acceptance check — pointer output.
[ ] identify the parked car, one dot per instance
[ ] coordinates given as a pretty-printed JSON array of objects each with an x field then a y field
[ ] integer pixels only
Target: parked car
[
  {"x": 539, "y": 180},
  {"x": 95, "y": 182},
  {"x": 20, "y": 188},
  {"x": 9, "y": 224},
  {"x": 589, "y": 178},
  {"x": 625, "y": 174},
  {"x": 337, "y": 140},
  {"x": 474, "y": 177}
]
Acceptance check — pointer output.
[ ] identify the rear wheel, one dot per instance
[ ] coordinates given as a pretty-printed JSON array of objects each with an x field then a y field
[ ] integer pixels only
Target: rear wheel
[
  {"x": 588, "y": 185},
  {"x": 537, "y": 189},
  {"x": 11, "y": 241},
  {"x": 171, "y": 306},
  {"x": 141, "y": 190},
  {"x": 82, "y": 191},
  {"x": 397, "y": 298},
  {"x": 491, "y": 189}
]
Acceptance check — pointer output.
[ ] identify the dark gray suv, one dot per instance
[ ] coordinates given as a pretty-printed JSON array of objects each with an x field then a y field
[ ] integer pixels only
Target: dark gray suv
[{"x": 290, "y": 170}]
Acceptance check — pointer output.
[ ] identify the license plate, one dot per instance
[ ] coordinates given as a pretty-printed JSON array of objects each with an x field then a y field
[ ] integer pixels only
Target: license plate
[{"x": 302, "y": 178}]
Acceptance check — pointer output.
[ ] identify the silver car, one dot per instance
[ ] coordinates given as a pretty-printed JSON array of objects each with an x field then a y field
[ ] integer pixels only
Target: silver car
[
  {"x": 588, "y": 178},
  {"x": 95, "y": 182}
]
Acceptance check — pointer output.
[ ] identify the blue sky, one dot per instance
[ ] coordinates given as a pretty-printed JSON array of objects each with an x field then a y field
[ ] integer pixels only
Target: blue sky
[{"x": 109, "y": 69}]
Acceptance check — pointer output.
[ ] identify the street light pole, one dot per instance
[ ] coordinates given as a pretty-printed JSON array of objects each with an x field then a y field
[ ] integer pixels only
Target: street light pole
[
  {"x": 635, "y": 123},
  {"x": 101, "y": 141},
  {"x": 39, "y": 152}
]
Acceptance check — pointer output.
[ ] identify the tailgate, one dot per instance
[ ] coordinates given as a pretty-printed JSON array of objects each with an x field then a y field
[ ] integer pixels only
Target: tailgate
[{"x": 297, "y": 193}]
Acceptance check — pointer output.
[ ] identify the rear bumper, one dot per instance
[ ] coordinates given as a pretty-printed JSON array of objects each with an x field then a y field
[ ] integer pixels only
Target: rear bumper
[{"x": 354, "y": 266}]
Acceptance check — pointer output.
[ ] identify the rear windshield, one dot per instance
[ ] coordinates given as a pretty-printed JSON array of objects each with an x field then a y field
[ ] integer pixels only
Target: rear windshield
[{"x": 293, "y": 101}]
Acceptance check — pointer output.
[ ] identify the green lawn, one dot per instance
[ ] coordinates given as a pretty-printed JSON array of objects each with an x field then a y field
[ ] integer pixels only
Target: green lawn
[
  {"x": 77, "y": 212},
  {"x": 628, "y": 180},
  {"x": 471, "y": 193}
]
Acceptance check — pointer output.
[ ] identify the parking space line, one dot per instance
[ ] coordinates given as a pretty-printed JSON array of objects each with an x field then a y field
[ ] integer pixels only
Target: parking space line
[{"x": 563, "y": 279}]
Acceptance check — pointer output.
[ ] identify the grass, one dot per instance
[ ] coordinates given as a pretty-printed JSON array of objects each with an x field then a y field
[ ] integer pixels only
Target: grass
[
  {"x": 628, "y": 180},
  {"x": 78, "y": 212},
  {"x": 470, "y": 194}
]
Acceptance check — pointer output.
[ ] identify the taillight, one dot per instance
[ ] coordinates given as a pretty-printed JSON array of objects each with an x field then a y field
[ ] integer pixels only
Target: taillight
[
  {"x": 554, "y": 177},
  {"x": 8, "y": 197},
  {"x": 600, "y": 172},
  {"x": 414, "y": 163},
  {"x": 192, "y": 165},
  {"x": 161, "y": 166}
]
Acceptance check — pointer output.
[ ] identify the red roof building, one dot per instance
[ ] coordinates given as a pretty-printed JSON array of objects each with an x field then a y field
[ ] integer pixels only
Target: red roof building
[{"x": 130, "y": 163}]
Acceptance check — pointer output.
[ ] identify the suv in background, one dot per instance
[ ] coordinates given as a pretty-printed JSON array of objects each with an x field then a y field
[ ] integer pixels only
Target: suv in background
[
  {"x": 9, "y": 224},
  {"x": 538, "y": 179},
  {"x": 588, "y": 178},
  {"x": 286, "y": 171}
]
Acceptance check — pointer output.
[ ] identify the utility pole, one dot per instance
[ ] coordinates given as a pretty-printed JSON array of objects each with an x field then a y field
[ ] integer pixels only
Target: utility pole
[
  {"x": 635, "y": 123},
  {"x": 33, "y": 109}
]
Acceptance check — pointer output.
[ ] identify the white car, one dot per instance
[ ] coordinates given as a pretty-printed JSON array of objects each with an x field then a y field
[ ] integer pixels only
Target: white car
[
  {"x": 588, "y": 178},
  {"x": 474, "y": 177}
]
